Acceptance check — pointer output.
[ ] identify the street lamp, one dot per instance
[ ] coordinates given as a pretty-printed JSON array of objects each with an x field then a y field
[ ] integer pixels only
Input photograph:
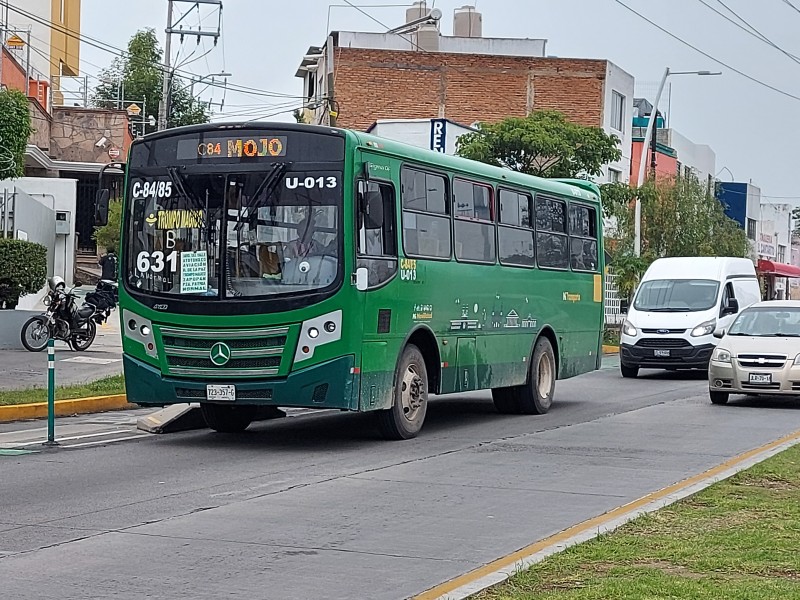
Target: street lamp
[{"x": 637, "y": 244}]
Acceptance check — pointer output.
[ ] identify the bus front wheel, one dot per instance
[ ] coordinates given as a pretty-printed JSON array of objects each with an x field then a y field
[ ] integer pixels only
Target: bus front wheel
[
  {"x": 404, "y": 420},
  {"x": 228, "y": 419}
]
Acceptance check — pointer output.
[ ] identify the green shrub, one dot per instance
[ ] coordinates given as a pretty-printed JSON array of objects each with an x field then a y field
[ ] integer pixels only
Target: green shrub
[{"x": 23, "y": 270}]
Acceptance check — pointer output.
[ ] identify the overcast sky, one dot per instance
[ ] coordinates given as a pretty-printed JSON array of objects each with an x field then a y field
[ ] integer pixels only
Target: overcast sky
[{"x": 750, "y": 127}]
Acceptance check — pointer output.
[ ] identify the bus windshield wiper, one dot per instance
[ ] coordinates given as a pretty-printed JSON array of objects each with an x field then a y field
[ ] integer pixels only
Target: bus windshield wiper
[
  {"x": 178, "y": 182},
  {"x": 267, "y": 187}
]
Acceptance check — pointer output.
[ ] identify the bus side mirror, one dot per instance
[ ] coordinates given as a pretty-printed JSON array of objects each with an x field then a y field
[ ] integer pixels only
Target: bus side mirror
[
  {"x": 374, "y": 210},
  {"x": 101, "y": 207},
  {"x": 362, "y": 279}
]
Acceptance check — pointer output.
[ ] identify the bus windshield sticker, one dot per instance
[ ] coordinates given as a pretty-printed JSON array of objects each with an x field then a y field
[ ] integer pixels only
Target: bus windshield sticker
[{"x": 194, "y": 272}]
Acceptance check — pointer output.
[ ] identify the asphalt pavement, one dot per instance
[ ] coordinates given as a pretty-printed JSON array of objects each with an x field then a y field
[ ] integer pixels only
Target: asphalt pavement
[{"x": 318, "y": 507}]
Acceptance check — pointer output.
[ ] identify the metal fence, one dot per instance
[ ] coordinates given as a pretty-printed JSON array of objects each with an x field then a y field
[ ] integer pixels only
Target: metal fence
[{"x": 614, "y": 314}]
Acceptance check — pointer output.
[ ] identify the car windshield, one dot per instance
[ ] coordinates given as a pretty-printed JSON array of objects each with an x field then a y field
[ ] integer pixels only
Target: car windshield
[
  {"x": 677, "y": 295},
  {"x": 234, "y": 235},
  {"x": 767, "y": 322}
]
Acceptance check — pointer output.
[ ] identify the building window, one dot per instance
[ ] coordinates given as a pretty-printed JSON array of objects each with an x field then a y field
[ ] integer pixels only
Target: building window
[
  {"x": 426, "y": 209},
  {"x": 781, "y": 254},
  {"x": 552, "y": 242},
  {"x": 474, "y": 222},
  {"x": 618, "y": 111},
  {"x": 751, "y": 229},
  {"x": 515, "y": 233},
  {"x": 614, "y": 175}
]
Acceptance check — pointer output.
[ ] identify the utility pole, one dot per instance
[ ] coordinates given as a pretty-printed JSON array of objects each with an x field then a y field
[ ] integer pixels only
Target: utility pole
[
  {"x": 174, "y": 27},
  {"x": 163, "y": 107}
]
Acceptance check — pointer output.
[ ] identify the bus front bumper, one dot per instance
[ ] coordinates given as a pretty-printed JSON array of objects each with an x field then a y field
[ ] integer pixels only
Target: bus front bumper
[{"x": 328, "y": 385}]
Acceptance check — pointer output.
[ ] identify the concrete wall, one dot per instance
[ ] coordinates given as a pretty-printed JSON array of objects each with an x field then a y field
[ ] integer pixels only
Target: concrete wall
[
  {"x": 431, "y": 134},
  {"x": 36, "y": 202},
  {"x": 461, "y": 45}
]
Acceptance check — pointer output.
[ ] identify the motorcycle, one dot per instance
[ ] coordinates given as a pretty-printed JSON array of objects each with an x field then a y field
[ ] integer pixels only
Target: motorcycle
[{"x": 63, "y": 320}]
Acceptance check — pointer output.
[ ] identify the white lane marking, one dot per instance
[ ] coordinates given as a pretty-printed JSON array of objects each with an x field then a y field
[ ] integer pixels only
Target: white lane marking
[
  {"x": 74, "y": 437},
  {"x": 102, "y": 442}
]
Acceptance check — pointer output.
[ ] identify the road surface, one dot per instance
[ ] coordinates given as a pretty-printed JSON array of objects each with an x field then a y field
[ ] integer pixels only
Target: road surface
[{"x": 318, "y": 507}]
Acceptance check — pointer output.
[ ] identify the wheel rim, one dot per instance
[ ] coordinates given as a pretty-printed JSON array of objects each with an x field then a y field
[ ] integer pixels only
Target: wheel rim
[
  {"x": 36, "y": 334},
  {"x": 544, "y": 379},
  {"x": 412, "y": 393}
]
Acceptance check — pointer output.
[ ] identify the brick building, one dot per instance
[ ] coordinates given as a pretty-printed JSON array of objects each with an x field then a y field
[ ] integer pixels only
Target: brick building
[{"x": 419, "y": 73}]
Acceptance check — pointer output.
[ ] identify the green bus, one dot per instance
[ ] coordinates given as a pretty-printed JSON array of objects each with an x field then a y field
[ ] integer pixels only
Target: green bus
[{"x": 270, "y": 265}]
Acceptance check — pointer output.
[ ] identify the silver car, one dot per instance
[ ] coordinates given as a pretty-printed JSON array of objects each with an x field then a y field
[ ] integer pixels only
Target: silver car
[{"x": 759, "y": 353}]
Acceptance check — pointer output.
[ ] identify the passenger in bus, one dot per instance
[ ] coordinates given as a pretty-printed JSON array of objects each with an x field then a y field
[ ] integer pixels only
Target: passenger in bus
[{"x": 305, "y": 244}]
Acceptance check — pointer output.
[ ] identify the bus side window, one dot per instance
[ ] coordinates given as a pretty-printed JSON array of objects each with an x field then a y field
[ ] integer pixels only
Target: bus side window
[{"x": 377, "y": 236}]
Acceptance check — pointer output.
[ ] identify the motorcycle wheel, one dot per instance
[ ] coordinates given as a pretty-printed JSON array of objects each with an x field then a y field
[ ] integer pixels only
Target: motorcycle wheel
[
  {"x": 81, "y": 341},
  {"x": 34, "y": 334}
]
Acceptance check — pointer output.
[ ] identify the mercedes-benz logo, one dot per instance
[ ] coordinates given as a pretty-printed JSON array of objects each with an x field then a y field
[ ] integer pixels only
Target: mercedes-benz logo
[{"x": 220, "y": 354}]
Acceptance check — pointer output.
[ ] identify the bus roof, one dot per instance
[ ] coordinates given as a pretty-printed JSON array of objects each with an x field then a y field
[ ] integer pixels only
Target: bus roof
[{"x": 581, "y": 188}]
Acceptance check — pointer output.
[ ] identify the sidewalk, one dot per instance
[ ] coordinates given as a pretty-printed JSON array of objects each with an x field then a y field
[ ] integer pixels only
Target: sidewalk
[{"x": 20, "y": 369}]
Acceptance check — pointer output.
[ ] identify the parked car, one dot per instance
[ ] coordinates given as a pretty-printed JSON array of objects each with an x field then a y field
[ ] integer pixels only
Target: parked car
[
  {"x": 759, "y": 354},
  {"x": 679, "y": 304}
]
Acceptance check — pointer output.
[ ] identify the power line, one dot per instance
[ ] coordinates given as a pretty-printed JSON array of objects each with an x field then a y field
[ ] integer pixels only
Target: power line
[
  {"x": 792, "y": 5},
  {"x": 105, "y": 47},
  {"x": 707, "y": 55},
  {"x": 384, "y": 25}
]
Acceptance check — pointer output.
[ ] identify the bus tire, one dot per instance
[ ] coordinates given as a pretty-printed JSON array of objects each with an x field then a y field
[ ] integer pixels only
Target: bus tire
[
  {"x": 506, "y": 400},
  {"x": 536, "y": 396},
  {"x": 405, "y": 418},
  {"x": 228, "y": 419}
]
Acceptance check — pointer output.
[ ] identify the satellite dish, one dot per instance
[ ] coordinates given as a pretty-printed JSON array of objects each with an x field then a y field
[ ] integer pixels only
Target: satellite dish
[{"x": 436, "y": 14}]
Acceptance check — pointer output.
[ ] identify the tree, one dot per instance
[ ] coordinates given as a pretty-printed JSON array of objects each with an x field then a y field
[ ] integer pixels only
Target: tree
[
  {"x": 23, "y": 270},
  {"x": 138, "y": 75},
  {"x": 544, "y": 144},
  {"x": 680, "y": 217},
  {"x": 15, "y": 129}
]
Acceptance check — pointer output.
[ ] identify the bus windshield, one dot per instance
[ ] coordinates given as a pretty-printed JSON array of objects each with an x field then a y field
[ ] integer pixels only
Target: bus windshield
[{"x": 233, "y": 235}]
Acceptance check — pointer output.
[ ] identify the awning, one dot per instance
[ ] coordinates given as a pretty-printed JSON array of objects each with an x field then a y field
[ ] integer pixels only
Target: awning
[{"x": 768, "y": 267}]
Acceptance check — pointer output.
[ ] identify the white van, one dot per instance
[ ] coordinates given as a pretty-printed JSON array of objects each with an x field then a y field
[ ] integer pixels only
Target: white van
[{"x": 678, "y": 305}]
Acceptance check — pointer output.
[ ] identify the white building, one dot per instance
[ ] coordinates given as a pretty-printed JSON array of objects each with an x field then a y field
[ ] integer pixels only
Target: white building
[
  {"x": 439, "y": 135},
  {"x": 617, "y": 120},
  {"x": 775, "y": 243}
]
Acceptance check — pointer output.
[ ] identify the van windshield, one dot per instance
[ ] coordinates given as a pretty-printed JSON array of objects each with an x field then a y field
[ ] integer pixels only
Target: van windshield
[{"x": 677, "y": 295}]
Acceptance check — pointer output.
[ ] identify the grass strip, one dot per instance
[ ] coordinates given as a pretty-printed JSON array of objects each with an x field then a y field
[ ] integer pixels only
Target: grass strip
[
  {"x": 738, "y": 539},
  {"x": 109, "y": 386}
]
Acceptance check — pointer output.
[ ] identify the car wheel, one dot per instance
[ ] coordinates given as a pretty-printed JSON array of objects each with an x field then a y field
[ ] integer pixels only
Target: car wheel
[
  {"x": 629, "y": 372},
  {"x": 718, "y": 397}
]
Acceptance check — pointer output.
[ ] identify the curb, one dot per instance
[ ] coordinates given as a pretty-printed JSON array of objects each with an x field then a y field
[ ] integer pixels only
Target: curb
[
  {"x": 498, "y": 571},
  {"x": 38, "y": 410},
  {"x": 610, "y": 349}
]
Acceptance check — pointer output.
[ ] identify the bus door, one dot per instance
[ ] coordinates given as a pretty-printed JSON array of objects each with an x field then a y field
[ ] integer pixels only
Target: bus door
[{"x": 376, "y": 266}]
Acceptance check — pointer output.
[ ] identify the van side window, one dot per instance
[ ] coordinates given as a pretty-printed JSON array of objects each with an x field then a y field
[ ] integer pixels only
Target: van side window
[{"x": 727, "y": 294}]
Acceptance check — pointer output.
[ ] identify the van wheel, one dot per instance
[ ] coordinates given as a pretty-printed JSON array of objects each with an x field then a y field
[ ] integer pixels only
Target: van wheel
[
  {"x": 718, "y": 397},
  {"x": 629, "y": 372},
  {"x": 228, "y": 419},
  {"x": 405, "y": 419}
]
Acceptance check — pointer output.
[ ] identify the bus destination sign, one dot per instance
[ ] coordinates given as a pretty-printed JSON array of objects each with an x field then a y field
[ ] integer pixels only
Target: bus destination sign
[{"x": 208, "y": 148}]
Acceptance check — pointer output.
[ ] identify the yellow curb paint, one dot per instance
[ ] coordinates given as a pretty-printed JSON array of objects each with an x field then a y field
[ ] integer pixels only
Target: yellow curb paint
[
  {"x": 38, "y": 410},
  {"x": 610, "y": 349},
  {"x": 595, "y": 522}
]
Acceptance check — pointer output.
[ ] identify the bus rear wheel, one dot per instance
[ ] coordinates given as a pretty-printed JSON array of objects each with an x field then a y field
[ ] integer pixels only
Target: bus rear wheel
[
  {"x": 404, "y": 420},
  {"x": 536, "y": 396},
  {"x": 228, "y": 419}
]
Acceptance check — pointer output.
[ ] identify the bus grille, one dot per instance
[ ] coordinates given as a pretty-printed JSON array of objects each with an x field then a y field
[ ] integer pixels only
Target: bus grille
[{"x": 252, "y": 352}]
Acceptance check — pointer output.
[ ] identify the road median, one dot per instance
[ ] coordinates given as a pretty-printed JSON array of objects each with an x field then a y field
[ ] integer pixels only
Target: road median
[{"x": 610, "y": 349}]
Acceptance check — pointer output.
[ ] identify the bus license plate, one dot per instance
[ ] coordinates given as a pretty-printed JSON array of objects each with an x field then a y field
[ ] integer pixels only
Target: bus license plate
[
  {"x": 661, "y": 353},
  {"x": 760, "y": 378},
  {"x": 221, "y": 393}
]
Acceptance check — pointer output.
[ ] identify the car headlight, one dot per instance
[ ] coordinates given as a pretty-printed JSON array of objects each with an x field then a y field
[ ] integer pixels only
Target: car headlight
[
  {"x": 723, "y": 356},
  {"x": 706, "y": 328},
  {"x": 629, "y": 329},
  {"x": 797, "y": 361}
]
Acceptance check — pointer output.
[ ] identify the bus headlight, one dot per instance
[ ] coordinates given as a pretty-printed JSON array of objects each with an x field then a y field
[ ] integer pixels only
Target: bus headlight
[
  {"x": 706, "y": 328},
  {"x": 318, "y": 332},
  {"x": 140, "y": 330},
  {"x": 723, "y": 356},
  {"x": 629, "y": 329}
]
